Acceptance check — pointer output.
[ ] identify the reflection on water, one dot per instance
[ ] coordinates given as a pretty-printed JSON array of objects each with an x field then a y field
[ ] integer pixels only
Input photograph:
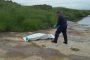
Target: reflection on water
[{"x": 85, "y": 21}]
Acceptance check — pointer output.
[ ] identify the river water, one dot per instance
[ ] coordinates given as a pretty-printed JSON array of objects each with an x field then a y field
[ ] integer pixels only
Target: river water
[{"x": 85, "y": 21}]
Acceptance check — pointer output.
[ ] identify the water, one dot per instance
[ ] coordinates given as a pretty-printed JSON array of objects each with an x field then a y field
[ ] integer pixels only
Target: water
[{"x": 85, "y": 21}]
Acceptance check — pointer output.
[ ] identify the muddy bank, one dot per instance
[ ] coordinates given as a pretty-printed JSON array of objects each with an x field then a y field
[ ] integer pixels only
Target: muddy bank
[{"x": 12, "y": 47}]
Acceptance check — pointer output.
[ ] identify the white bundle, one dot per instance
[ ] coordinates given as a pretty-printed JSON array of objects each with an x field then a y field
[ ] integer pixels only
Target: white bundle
[{"x": 38, "y": 36}]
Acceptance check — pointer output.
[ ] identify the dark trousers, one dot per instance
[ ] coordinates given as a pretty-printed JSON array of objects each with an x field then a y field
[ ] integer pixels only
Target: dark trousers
[{"x": 64, "y": 32}]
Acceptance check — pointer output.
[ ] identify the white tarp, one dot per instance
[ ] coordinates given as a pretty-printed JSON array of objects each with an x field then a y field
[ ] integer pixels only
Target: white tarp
[{"x": 38, "y": 36}]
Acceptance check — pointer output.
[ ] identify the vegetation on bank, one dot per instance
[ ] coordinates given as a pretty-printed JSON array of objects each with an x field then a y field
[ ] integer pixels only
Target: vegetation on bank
[{"x": 14, "y": 17}]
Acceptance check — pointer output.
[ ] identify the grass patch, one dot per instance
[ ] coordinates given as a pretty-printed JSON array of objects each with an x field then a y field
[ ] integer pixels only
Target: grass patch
[{"x": 14, "y": 17}]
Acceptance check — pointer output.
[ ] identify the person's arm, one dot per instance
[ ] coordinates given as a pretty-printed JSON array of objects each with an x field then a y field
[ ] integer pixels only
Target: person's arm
[{"x": 57, "y": 24}]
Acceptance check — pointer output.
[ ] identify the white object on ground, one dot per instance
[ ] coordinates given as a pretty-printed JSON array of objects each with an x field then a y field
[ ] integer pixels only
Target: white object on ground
[{"x": 38, "y": 36}]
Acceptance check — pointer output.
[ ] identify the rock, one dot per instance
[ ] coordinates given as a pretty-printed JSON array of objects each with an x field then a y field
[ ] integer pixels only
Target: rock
[{"x": 74, "y": 49}]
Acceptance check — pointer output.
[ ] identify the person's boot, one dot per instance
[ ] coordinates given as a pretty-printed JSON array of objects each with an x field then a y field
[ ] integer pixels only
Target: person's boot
[
  {"x": 54, "y": 41},
  {"x": 65, "y": 42}
]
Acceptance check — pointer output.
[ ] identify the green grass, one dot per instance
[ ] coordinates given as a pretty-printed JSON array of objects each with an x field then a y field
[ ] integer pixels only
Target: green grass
[{"x": 14, "y": 17}]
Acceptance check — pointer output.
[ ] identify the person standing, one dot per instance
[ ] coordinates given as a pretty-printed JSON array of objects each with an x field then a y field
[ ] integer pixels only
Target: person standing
[{"x": 61, "y": 28}]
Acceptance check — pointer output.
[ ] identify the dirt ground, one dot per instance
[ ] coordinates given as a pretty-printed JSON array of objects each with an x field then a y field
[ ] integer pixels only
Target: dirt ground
[{"x": 12, "y": 47}]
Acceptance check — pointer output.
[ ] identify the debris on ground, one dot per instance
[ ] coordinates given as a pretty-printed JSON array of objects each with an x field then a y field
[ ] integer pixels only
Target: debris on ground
[{"x": 74, "y": 49}]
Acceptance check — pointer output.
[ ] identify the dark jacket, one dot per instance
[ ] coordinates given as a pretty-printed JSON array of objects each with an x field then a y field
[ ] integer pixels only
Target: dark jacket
[{"x": 62, "y": 22}]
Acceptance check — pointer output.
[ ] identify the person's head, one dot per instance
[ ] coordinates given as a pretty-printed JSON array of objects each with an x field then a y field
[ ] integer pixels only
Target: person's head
[{"x": 58, "y": 13}]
